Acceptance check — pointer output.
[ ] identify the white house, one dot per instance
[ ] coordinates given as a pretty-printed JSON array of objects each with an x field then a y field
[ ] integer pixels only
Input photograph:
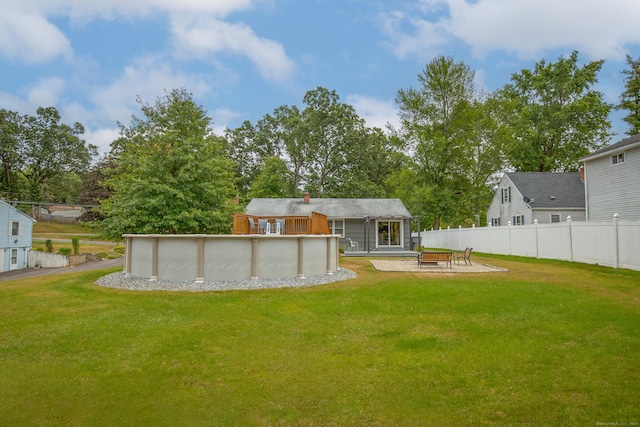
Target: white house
[
  {"x": 523, "y": 197},
  {"x": 15, "y": 242},
  {"x": 612, "y": 181}
]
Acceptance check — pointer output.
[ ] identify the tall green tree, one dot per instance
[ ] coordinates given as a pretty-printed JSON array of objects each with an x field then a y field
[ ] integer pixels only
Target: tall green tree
[
  {"x": 51, "y": 148},
  {"x": 335, "y": 134},
  {"x": 172, "y": 175},
  {"x": 630, "y": 98},
  {"x": 438, "y": 122},
  {"x": 273, "y": 180},
  {"x": 326, "y": 147},
  {"x": 10, "y": 147},
  {"x": 558, "y": 116}
]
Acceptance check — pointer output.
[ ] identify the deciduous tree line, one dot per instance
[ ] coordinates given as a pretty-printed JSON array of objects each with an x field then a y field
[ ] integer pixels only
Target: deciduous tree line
[{"x": 169, "y": 173}]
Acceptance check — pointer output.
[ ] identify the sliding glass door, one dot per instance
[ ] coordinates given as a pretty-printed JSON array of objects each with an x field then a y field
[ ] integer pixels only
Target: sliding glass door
[{"x": 389, "y": 233}]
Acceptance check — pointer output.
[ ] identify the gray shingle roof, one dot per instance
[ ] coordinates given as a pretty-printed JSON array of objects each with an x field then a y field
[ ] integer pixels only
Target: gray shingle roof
[
  {"x": 333, "y": 208},
  {"x": 566, "y": 189},
  {"x": 630, "y": 142}
]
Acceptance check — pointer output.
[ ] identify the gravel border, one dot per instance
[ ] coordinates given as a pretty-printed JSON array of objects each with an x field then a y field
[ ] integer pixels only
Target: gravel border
[{"x": 121, "y": 281}]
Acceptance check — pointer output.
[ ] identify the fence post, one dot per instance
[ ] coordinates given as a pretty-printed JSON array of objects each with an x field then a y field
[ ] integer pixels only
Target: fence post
[
  {"x": 616, "y": 252},
  {"x": 570, "y": 238},
  {"x": 535, "y": 229},
  {"x": 509, "y": 225},
  {"x": 459, "y": 238}
]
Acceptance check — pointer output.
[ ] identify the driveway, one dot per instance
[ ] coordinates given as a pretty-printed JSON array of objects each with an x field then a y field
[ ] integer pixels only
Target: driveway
[{"x": 34, "y": 272}]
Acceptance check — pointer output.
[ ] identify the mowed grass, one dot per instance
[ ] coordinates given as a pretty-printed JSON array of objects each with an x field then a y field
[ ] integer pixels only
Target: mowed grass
[{"x": 547, "y": 343}]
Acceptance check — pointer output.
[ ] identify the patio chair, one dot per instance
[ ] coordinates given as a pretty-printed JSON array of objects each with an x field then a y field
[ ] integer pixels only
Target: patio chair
[
  {"x": 466, "y": 256},
  {"x": 252, "y": 226},
  {"x": 280, "y": 226},
  {"x": 353, "y": 246},
  {"x": 263, "y": 226}
]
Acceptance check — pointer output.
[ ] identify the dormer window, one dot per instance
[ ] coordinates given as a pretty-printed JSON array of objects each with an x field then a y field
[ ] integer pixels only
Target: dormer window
[{"x": 617, "y": 158}]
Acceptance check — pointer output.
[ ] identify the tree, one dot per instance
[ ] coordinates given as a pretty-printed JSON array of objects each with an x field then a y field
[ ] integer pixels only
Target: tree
[
  {"x": 334, "y": 133},
  {"x": 10, "y": 143},
  {"x": 558, "y": 117},
  {"x": 326, "y": 148},
  {"x": 171, "y": 173},
  {"x": 437, "y": 121},
  {"x": 273, "y": 181},
  {"x": 50, "y": 148},
  {"x": 630, "y": 98}
]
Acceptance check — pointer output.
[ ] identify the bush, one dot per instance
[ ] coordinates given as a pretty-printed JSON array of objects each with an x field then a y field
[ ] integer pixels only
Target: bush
[
  {"x": 48, "y": 245},
  {"x": 64, "y": 251},
  {"x": 75, "y": 242}
]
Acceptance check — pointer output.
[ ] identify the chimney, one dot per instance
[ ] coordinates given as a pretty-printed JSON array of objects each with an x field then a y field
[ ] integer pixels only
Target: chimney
[
  {"x": 582, "y": 173},
  {"x": 307, "y": 197}
]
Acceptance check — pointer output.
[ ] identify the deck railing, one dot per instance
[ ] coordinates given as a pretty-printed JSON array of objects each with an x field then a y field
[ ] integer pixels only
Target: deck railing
[{"x": 316, "y": 224}]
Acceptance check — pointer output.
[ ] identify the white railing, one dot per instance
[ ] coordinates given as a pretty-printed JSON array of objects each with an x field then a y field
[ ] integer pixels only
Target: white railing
[{"x": 614, "y": 243}]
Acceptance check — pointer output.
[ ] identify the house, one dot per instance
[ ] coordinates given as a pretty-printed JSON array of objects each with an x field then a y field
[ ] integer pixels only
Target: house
[
  {"x": 523, "y": 197},
  {"x": 612, "y": 181},
  {"x": 371, "y": 224},
  {"x": 15, "y": 242}
]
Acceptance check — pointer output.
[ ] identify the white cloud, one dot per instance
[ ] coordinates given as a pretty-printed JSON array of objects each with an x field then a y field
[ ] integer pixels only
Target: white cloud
[
  {"x": 222, "y": 118},
  {"x": 46, "y": 92},
  {"x": 148, "y": 78},
  {"x": 599, "y": 29},
  {"x": 424, "y": 40},
  {"x": 376, "y": 112},
  {"x": 204, "y": 37},
  {"x": 102, "y": 138},
  {"x": 30, "y": 38}
]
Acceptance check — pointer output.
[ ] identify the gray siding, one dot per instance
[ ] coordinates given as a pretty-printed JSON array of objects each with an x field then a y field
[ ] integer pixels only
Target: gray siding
[
  {"x": 357, "y": 230},
  {"x": 612, "y": 189},
  {"x": 506, "y": 211}
]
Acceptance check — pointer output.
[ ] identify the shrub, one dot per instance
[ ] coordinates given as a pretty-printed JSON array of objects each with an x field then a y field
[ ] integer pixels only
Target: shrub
[
  {"x": 64, "y": 251},
  {"x": 48, "y": 245},
  {"x": 75, "y": 242}
]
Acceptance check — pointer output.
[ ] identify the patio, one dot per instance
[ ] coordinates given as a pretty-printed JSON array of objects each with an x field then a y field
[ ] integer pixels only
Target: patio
[{"x": 412, "y": 266}]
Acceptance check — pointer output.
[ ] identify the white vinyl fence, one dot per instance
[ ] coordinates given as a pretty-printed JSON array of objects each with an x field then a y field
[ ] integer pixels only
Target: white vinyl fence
[{"x": 614, "y": 243}]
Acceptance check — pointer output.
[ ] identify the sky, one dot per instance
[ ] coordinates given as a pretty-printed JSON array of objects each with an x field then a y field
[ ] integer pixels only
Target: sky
[{"x": 242, "y": 59}]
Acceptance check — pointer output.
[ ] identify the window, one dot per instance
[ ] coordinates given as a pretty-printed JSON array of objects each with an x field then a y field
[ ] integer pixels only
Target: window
[
  {"x": 337, "y": 226},
  {"x": 495, "y": 222},
  {"x": 506, "y": 195},
  {"x": 15, "y": 228},
  {"x": 555, "y": 218},
  {"x": 518, "y": 220},
  {"x": 617, "y": 158}
]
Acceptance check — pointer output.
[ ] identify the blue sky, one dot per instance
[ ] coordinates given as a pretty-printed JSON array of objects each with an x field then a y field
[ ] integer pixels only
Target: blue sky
[{"x": 241, "y": 59}]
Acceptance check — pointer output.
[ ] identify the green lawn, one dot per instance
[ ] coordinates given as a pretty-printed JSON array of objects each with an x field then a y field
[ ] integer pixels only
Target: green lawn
[{"x": 548, "y": 343}]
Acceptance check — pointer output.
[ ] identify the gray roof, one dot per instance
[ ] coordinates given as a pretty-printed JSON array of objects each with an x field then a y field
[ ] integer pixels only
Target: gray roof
[
  {"x": 631, "y": 142},
  {"x": 333, "y": 208},
  {"x": 550, "y": 190}
]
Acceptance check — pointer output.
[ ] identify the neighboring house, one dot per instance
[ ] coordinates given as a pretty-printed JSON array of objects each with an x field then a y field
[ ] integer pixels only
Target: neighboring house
[
  {"x": 612, "y": 181},
  {"x": 372, "y": 224},
  {"x": 523, "y": 197},
  {"x": 15, "y": 241}
]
